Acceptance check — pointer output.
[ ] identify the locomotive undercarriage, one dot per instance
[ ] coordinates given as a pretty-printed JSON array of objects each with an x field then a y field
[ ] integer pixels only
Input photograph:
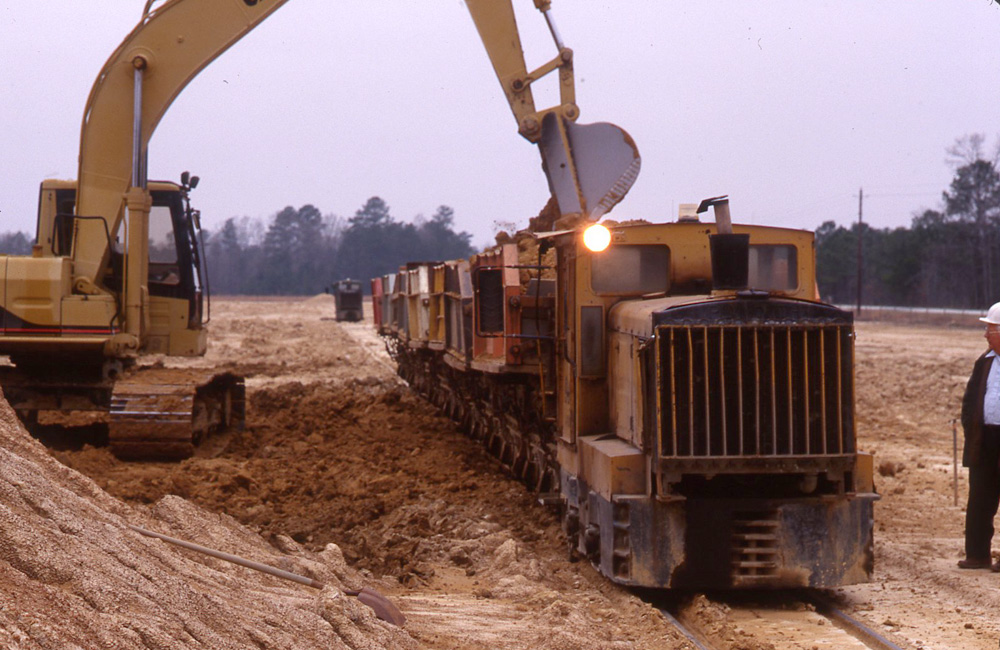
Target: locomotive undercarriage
[
  {"x": 498, "y": 410},
  {"x": 722, "y": 543},
  {"x": 769, "y": 529}
]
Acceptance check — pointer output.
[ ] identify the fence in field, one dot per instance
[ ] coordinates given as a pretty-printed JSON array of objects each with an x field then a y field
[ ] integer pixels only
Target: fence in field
[{"x": 917, "y": 315}]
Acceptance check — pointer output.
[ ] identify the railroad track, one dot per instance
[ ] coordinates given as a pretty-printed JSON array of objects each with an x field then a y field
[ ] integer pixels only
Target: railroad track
[
  {"x": 789, "y": 620},
  {"x": 368, "y": 341}
]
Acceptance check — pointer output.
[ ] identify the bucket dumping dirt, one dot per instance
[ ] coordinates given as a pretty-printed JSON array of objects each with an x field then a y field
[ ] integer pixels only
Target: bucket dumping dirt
[{"x": 75, "y": 575}]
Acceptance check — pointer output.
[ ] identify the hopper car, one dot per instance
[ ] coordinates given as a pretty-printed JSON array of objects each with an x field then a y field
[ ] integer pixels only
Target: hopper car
[{"x": 682, "y": 396}]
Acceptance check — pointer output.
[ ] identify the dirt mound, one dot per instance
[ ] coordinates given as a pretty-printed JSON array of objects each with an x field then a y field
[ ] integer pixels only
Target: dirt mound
[
  {"x": 75, "y": 576},
  {"x": 358, "y": 464},
  {"x": 337, "y": 451},
  {"x": 342, "y": 458}
]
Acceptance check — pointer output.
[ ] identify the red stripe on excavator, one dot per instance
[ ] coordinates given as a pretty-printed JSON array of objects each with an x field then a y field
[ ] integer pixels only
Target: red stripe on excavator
[{"x": 56, "y": 330}]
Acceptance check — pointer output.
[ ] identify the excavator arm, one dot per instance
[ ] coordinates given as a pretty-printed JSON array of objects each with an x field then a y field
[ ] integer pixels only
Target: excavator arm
[
  {"x": 167, "y": 49},
  {"x": 589, "y": 167},
  {"x": 498, "y": 31}
]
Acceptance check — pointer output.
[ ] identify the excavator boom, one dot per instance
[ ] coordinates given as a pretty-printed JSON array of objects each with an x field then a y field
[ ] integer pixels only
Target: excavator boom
[{"x": 166, "y": 50}]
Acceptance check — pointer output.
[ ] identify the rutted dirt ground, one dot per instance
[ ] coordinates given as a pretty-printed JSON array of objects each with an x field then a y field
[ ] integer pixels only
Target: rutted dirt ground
[
  {"x": 910, "y": 385},
  {"x": 337, "y": 451}
]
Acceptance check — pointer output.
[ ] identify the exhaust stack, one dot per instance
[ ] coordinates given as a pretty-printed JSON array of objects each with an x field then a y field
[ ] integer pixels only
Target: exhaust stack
[{"x": 730, "y": 251}]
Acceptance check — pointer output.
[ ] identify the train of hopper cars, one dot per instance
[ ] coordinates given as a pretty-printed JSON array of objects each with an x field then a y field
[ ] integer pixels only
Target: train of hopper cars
[{"x": 682, "y": 395}]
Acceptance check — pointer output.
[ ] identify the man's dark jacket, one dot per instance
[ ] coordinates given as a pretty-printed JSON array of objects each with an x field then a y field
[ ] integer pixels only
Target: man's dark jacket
[{"x": 972, "y": 411}]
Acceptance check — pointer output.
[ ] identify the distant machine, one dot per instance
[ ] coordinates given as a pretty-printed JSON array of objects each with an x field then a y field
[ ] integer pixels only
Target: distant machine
[{"x": 348, "y": 296}]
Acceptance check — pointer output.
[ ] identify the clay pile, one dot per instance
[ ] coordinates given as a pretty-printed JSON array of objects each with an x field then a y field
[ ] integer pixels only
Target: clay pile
[{"x": 74, "y": 575}]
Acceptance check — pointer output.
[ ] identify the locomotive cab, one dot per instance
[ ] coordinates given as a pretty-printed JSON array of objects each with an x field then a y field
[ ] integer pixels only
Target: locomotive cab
[{"x": 706, "y": 435}]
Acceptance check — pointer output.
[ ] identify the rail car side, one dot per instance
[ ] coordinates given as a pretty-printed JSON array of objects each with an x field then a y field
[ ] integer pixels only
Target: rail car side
[{"x": 696, "y": 431}]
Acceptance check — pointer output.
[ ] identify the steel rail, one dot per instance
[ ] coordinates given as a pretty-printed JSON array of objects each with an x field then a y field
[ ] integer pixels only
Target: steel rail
[
  {"x": 851, "y": 625},
  {"x": 683, "y": 630},
  {"x": 822, "y": 605}
]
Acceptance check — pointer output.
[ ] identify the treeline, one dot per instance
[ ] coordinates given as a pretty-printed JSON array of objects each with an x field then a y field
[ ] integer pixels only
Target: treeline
[
  {"x": 15, "y": 243},
  {"x": 301, "y": 251},
  {"x": 946, "y": 258}
]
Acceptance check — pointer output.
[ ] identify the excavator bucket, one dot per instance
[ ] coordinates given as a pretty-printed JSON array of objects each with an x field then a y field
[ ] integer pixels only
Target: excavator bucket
[{"x": 590, "y": 167}]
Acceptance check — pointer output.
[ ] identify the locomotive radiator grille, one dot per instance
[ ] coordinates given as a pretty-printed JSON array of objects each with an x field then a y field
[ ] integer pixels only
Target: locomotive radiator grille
[{"x": 772, "y": 391}]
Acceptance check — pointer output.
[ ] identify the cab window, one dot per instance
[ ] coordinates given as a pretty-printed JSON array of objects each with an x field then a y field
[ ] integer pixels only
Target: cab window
[
  {"x": 162, "y": 248},
  {"x": 631, "y": 269},
  {"x": 163, "y": 266},
  {"x": 773, "y": 267}
]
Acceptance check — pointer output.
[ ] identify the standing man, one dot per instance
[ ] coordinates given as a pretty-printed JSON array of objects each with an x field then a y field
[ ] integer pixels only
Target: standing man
[{"x": 981, "y": 422}]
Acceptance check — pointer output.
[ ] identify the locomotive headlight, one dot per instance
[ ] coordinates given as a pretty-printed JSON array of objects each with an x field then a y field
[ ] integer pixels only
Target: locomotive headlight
[{"x": 596, "y": 237}]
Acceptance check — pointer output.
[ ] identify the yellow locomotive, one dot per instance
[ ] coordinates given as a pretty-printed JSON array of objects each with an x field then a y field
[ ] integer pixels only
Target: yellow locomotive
[{"x": 681, "y": 394}]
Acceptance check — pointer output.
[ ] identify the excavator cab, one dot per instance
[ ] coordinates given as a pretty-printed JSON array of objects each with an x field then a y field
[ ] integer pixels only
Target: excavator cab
[
  {"x": 150, "y": 412},
  {"x": 175, "y": 279}
]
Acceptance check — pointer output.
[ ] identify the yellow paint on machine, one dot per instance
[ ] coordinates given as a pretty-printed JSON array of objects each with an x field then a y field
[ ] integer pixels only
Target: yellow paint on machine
[
  {"x": 34, "y": 288},
  {"x": 614, "y": 467}
]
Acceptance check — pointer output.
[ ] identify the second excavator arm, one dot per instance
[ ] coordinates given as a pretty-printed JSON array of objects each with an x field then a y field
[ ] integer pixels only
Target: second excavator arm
[
  {"x": 589, "y": 167},
  {"x": 498, "y": 31}
]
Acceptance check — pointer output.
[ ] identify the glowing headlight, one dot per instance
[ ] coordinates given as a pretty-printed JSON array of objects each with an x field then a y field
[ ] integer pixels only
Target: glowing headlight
[{"x": 596, "y": 237}]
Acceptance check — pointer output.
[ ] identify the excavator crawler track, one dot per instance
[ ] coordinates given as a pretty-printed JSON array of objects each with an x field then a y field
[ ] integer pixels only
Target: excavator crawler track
[{"x": 162, "y": 414}]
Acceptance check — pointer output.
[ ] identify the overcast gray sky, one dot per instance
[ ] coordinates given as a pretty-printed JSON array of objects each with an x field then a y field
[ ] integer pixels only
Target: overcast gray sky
[{"x": 787, "y": 106}]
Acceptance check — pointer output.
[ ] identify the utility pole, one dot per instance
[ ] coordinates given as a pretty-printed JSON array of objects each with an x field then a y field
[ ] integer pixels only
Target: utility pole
[{"x": 861, "y": 197}]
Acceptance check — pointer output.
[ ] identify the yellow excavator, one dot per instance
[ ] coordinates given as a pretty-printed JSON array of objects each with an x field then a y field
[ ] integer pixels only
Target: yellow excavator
[{"x": 117, "y": 268}]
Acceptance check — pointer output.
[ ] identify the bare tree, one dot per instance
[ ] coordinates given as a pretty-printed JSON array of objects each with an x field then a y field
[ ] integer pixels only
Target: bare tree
[{"x": 969, "y": 148}]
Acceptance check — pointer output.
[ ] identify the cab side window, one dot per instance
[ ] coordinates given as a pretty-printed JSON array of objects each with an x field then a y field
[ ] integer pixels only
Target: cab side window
[
  {"x": 631, "y": 269},
  {"x": 773, "y": 267},
  {"x": 162, "y": 247}
]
